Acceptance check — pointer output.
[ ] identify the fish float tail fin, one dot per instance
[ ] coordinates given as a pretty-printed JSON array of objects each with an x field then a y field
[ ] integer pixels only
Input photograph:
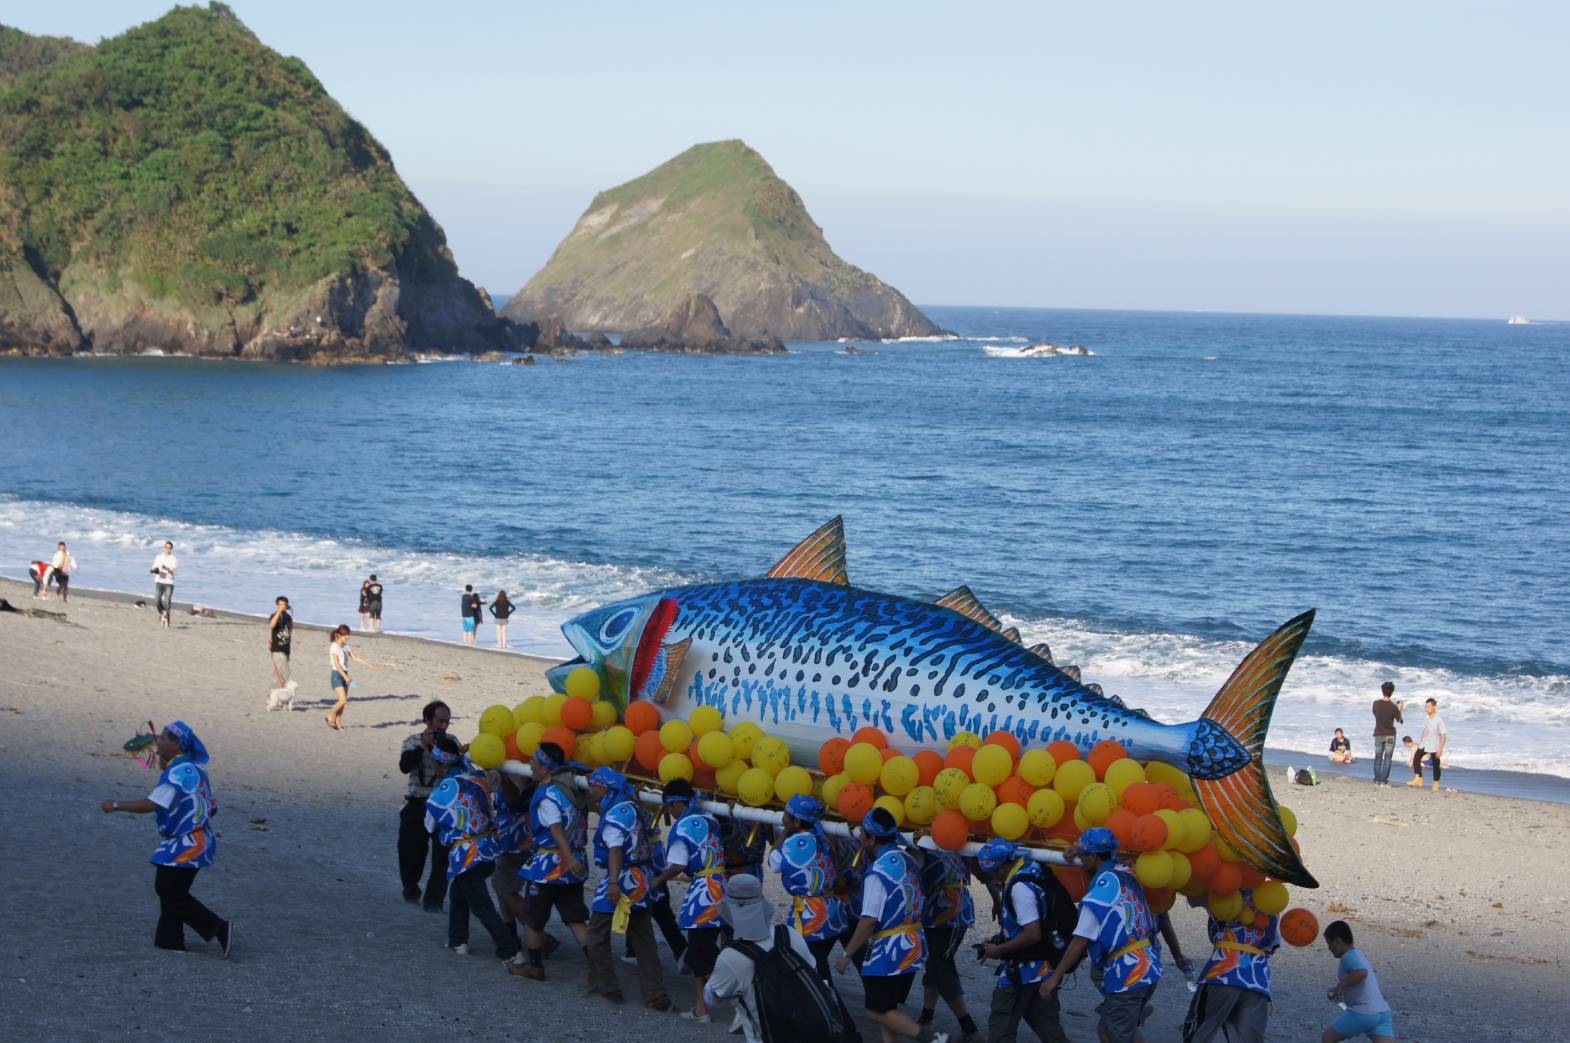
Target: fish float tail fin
[{"x": 1236, "y": 794}]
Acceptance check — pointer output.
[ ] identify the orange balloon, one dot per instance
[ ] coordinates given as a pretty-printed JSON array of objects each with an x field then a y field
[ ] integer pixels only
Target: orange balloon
[
  {"x": 649, "y": 750},
  {"x": 1160, "y": 898},
  {"x": 1065, "y": 829},
  {"x": 1204, "y": 861},
  {"x": 1227, "y": 878},
  {"x": 703, "y": 777},
  {"x": 1103, "y": 754},
  {"x": 950, "y": 830},
  {"x": 1015, "y": 790},
  {"x": 1142, "y": 798},
  {"x": 1148, "y": 834},
  {"x": 855, "y": 800},
  {"x": 930, "y": 762},
  {"x": 1073, "y": 880},
  {"x": 577, "y": 713},
  {"x": 1299, "y": 927},
  {"x": 889, "y": 753},
  {"x": 512, "y": 748},
  {"x": 1121, "y": 823},
  {"x": 1169, "y": 797},
  {"x": 831, "y": 756},
  {"x": 562, "y": 736},
  {"x": 1005, "y": 740},
  {"x": 1252, "y": 877},
  {"x": 872, "y": 735},
  {"x": 960, "y": 757},
  {"x": 640, "y": 717},
  {"x": 1063, "y": 751}
]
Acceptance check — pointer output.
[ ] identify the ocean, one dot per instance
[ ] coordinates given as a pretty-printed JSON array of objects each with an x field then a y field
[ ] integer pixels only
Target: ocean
[{"x": 1150, "y": 511}]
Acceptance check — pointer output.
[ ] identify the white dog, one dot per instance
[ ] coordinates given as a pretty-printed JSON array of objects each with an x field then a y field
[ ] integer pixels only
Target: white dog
[{"x": 282, "y": 698}]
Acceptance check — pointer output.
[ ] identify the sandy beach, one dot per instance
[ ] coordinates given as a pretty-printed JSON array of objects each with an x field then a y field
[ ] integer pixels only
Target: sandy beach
[{"x": 1458, "y": 900}]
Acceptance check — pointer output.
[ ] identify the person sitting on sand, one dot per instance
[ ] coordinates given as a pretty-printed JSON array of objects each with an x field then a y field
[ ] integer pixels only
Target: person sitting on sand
[
  {"x": 183, "y": 801},
  {"x": 1367, "y": 1013},
  {"x": 339, "y": 655},
  {"x": 1340, "y": 748}
]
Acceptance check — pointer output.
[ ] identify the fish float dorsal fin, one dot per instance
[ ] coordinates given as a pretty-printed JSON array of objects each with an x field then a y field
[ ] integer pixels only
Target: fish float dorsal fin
[
  {"x": 820, "y": 556},
  {"x": 1012, "y": 633},
  {"x": 962, "y": 600},
  {"x": 1041, "y": 651}
]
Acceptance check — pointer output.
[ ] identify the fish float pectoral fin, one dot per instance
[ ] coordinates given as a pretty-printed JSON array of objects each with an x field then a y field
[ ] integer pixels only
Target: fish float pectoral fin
[
  {"x": 661, "y": 681},
  {"x": 820, "y": 556},
  {"x": 1226, "y": 758},
  {"x": 964, "y": 601}
]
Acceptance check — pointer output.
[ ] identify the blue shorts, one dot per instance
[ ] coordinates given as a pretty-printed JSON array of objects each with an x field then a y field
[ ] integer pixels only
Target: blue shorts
[
  {"x": 1352, "y": 1025},
  {"x": 339, "y": 681},
  {"x": 468, "y": 624}
]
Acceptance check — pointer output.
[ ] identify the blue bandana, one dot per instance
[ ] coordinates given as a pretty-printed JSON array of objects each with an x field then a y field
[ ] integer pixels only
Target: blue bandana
[
  {"x": 804, "y": 808},
  {"x": 190, "y": 745},
  {"x": 441, "y": 756},
  {"x": 872, "y": 827},
  {"x": 996, "y": 854}
]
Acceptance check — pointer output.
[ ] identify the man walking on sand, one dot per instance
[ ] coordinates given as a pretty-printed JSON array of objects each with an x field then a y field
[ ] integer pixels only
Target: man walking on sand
[
  {"x": 280, "y": 635},
  {"x": 1430, "y": 744},
  {"x": 163, "y": 582},
  {"x": 1387, "y": 714}
]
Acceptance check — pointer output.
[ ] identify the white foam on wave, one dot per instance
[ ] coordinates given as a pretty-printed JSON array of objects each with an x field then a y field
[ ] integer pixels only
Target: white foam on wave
[
  {"x": 1174, "y": 676},
  {"x": 1027, "y": 353}
]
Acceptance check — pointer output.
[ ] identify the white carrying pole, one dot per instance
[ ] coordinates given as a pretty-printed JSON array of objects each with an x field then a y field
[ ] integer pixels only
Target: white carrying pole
[{"x": 764, "y": 816}]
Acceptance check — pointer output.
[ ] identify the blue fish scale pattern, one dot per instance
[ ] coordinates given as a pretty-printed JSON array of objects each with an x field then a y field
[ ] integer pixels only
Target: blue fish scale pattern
[{"x": 843, "y": 658}]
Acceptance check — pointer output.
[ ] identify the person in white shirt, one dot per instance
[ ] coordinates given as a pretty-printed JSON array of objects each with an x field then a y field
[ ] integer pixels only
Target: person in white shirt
[
  {"x": 61, "y": 566},
  {"x": 163, "y": 581},
  {"x": 750, "y": 918},
  {"x": 339, "y": 655},
  {"x": 1430, "y": 744}
]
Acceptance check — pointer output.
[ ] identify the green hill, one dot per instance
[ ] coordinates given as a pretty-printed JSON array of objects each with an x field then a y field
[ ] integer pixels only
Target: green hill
[
  {"x": 184, "y": 187},
  {"x": 717, "y": 221}
]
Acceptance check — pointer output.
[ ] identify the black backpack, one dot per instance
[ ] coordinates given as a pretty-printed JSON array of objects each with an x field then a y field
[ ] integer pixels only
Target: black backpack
[
  {"x": 1058, "y": 917},
  {"x": 792, "y": 1002}
]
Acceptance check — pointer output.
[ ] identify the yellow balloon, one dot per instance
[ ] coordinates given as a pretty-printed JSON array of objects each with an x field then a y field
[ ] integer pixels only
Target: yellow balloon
[
  {"x": 528, "y": 736},
  {"x": 977, "y": 801},
  {"x": 970, "y": 739},
  {"x": 604, "y": 714},
  {"x": 1288, "y": 819},
  {"x": 864, "y": 763},
  {"x": 1224, "y": 851},
  {"x": 487, "y": 750},
  {"x": 992, "y": 765},
  {"x": 831, "y": 788},
  {"x": 706, "y": 719},
  {"x": 1160, "y": 771},
  {"x": 1182, "y": 871},
  {"x": 530, "y": 710},
  {"x": 1097, "y": 802},
  {"x": 791, "y": 781},
  {"x": 675, "y": 766},
  {"x": 742, "y": 736},
  {"x": 1174, "y": 821},
  {"x": 1010, "y": 821},
  {"x": 894, "y": 806},
  {"x": 618, "y": 743},
  {"x": 675, "y": 736},
  {"x": 755, "y": 787},
  {"x": 583, "y": 682},
  {"x": 1071, "y": 778},
  {"x": 1154, "y": 869},
  {"x": 1246, "y": 917},
  {"x": 1123, "y": 773},
  {"x": 588, "y": 750},
  {"x": 1196, "y": 830},
  {"x": 553, "y": 705},
  {"x": 716, "y": 749},
  {"x": 899, "y": 776},
  {"x": 770, "y": 754},
  {"x": 1226, "y": 908},
  {"x": 1080, "y": 822},
  {"x": 1045, "y": 808},
  {"x": 728, "y": 777},
  {"x": 948, "y": 785},
  {"x": 1271, "y": 898},
  {"x": 1037, "y": 767},
  {"x": 921, "y": 806},
  {"x": 498, "y": 721}
]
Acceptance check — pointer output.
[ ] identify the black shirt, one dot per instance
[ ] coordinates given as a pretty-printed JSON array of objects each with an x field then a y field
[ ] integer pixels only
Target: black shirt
[
  {"x": 473, "y": 606},
  {"x": 374, "y": 592},
  {"x": 1336, "y": 745},
  {"x": 282, "y": 633},
  {"x": 501, "y": 609}
]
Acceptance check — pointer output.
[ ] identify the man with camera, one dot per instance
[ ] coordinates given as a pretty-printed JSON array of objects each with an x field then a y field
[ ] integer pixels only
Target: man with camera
[
  {"x": 415, "y": 841},
  {"x": 1037, "y": 916}
]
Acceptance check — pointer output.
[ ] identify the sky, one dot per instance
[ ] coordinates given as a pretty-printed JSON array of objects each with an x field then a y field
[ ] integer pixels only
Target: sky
[{"x": 1387, "y": 158}]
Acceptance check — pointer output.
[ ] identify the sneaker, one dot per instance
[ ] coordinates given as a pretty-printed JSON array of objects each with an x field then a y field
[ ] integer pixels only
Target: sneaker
[
  {"x": 226, "y": 937},
  {"x": 460, "y": 950},
  {"x": 702, "y": 1019},
  {"x": 613, "y": 996},
  {"x": 1417, "y": 780},
  {"x": 1436, "y": 787},
  {"x": 527, "y": 970},
  {"x": 940, "y": 1037},
  {"x": 735, "y": 1023},
  {"x": 662, "y": 1004}
]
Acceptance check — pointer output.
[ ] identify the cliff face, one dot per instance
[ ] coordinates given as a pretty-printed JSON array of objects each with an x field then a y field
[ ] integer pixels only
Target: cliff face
[
  {"x": 714, "y": 221},
  {"x": 183, "y": 187}
]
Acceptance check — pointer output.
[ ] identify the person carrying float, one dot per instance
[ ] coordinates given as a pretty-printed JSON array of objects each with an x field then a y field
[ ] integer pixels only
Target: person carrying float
[
  {"x": 555, "y": 872},
  {"x": 459, "y": 812},
  {"x": 1233, "y": 999},
  {"x": 695, "y": 849},
  {"x": 1119, "y": 931},
  {"x": 621, "y": 848},
  {"x": 1032, "y": 905},
  {"x": 804, "y": 859},
  {"x": 948, "y": 912}
]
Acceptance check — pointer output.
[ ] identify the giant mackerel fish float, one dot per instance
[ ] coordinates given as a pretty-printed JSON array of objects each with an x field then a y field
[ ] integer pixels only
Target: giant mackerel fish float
[{"x": 809, "y": 657}]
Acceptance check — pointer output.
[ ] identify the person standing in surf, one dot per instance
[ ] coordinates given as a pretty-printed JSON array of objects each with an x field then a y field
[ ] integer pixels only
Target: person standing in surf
[
  {"x": 373, "y": 602},
  {"x": 339, "y": 656},
  {"x": 471, "y": 607},
  {"x": 365, "y": 606},
  {"x": 1387, "y": 714},
  {"x": 61, "y": 566},
  {"x": 163, "y": 582},
  {"x": 1430, "y": 744},
  {"x": 501, "y": 611}
]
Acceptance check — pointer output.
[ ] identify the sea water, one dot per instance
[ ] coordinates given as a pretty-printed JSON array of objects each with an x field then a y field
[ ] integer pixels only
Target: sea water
[{"x": 1150, "y": 511}]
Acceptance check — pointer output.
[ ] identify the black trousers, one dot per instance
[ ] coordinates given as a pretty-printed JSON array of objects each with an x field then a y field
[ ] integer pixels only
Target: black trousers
[
  {"x": 1417, "y": 763},
  {"x": 470, "y": 895},
  {"x": 178, "y": 910},
  {"x": 415, "y": 845}
]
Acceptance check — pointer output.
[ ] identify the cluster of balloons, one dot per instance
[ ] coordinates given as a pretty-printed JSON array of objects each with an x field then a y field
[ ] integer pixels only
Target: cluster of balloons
[{"x": 981, "y": 787}]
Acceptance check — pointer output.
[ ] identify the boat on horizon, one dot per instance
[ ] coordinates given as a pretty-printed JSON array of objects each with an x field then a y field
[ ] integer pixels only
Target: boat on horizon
[{"x": 1518, "y": 320}]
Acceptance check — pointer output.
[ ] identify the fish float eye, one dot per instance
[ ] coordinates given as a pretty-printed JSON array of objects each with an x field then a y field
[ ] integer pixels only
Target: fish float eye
[{"x": 613, "y": 628}]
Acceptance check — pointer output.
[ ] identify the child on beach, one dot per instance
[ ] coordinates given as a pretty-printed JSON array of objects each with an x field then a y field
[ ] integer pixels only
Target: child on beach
[
  {"x": 1367, "y": 1013},
  {"x": 1340, "y": 748},
  {"x": 339, "y": 655}
]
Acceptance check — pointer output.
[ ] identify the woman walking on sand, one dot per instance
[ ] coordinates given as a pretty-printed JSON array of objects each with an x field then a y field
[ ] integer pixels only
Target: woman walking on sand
[
  {"x": 339, "y": 654},
  {"x": 501, "y": 608}
]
